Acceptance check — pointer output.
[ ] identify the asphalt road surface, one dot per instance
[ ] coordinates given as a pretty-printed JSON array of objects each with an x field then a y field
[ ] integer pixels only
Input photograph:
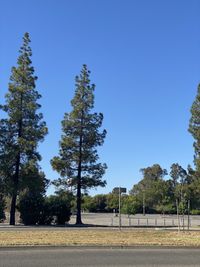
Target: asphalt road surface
[{"x": 54, "y": 257}]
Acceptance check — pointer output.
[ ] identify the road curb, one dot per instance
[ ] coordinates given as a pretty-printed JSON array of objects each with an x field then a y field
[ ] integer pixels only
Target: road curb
[{"x": 35, "y": 247}]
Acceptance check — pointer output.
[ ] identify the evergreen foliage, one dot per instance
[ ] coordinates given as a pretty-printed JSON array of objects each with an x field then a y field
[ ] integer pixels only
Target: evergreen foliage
[
  {"x": 59, "y": 206},
  {"x": 22, "y": 128},
  {"x": 31, "y": 205},
  {"x": 78, "y": 157},
  {"x": 35, "y": 208},
  {"x": 194, "y": 128}
]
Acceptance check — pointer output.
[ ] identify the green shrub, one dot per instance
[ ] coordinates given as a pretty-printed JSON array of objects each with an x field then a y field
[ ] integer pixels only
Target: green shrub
[
  {"x": 30, "y": 207},
  {"x": 167, "y": 208},
  {"x": 45, "y": 217},
  {"x": 195, "y": 212},
  {"x": 129, "y": 204},
  {"x": 59, "y": 207},
  {"x": 34, "y": 208}
]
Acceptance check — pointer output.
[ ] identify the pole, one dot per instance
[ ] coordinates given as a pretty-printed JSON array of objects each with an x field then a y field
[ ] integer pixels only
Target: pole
[
  {"x": 188, "y": 214},
  {"x": 178, "y": 215},
  {"x": 119, "y": 208},
  {"x": 143, "y": 203}
]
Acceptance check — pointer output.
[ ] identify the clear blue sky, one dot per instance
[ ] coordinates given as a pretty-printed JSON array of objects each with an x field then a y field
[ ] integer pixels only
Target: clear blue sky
[{"x": 145, "y": 61}]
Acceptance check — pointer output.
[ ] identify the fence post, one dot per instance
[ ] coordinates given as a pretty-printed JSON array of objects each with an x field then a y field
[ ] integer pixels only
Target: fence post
[
  {"x": 188, "y": 215},
  {"x": 178, "y": 218},
  {"x": 111, "y": 221}
]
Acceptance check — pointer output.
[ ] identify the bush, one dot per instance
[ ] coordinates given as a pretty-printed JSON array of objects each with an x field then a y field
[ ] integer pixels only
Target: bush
[
  {"x": 37, "y": 209},
  {"x": 59, "y": 206},
  {"x": 30, "y": 207},
  {"x": 45, "y": 217},
  {"x": 166, "y": 208},
  {"x": 195, "y": 212}
]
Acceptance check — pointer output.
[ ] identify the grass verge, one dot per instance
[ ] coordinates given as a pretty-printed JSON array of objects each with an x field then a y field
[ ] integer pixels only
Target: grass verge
[{"x": 98, "y": 238}]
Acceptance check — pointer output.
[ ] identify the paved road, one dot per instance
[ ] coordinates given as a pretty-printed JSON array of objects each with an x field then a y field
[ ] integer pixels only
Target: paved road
[{"x": 57, "y": 257}]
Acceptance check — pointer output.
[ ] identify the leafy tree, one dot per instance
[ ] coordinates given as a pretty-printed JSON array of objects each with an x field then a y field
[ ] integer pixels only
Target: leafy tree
[
  {"x": 193, "y": 188},
  {"x": 78, "y": 158},
  {"x": 96, "y": 203},
  {"x": 179, "y": 182},
  {"x": 100, "y": 202},
  {"x": 154, "y": 172},
  {"x": 163, "y": 204},
  {"x": 22, "y": 128},
  {"x": 149, "y": 191},
  {"x": 194, "y": 128},
  {"x": 88, "y": 203},
  {"x": 129, "y": 204},
  {"x": 112, "y": 202}
]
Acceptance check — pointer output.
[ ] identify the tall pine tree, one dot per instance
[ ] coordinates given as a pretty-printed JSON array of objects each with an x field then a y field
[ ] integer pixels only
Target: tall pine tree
[
  {"x": 78, "y": 157},
  {"x": 194, "y": 128},
  {"x": 22, "y": 128}
]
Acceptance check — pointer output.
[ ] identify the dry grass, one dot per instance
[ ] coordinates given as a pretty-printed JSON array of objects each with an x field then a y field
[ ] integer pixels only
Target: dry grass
[{"x": 98, "y": 238}]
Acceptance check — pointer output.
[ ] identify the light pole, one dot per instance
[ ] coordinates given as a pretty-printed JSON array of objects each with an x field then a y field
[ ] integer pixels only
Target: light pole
[
  {"x": 120, "y": 208},
  {"x": 119, "y": 190},
  {"x": 188, "y": 214},
  {"x": 178, "y": 218},
  {"x": 143, "y": 202}
]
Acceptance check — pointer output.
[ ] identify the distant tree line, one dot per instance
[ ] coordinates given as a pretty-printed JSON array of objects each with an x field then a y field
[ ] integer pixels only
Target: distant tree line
[
  {"x": 159, "y": 191},
  {"x": 156, "y": 192}
]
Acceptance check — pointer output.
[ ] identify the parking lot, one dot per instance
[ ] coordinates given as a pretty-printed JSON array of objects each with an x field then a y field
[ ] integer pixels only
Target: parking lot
[{"x": 138, "y": 220}]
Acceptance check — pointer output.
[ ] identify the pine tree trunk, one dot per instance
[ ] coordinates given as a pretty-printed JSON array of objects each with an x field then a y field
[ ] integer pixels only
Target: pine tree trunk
[
  {"x": 16, "y": 179},
  {"x": 78, "y": 199},
  {"x": 78, "y": 215},
  {"x": 13, "y": 209},
  {"x": 16, "y": 176},
  {"x": 15, "y": 190}
]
